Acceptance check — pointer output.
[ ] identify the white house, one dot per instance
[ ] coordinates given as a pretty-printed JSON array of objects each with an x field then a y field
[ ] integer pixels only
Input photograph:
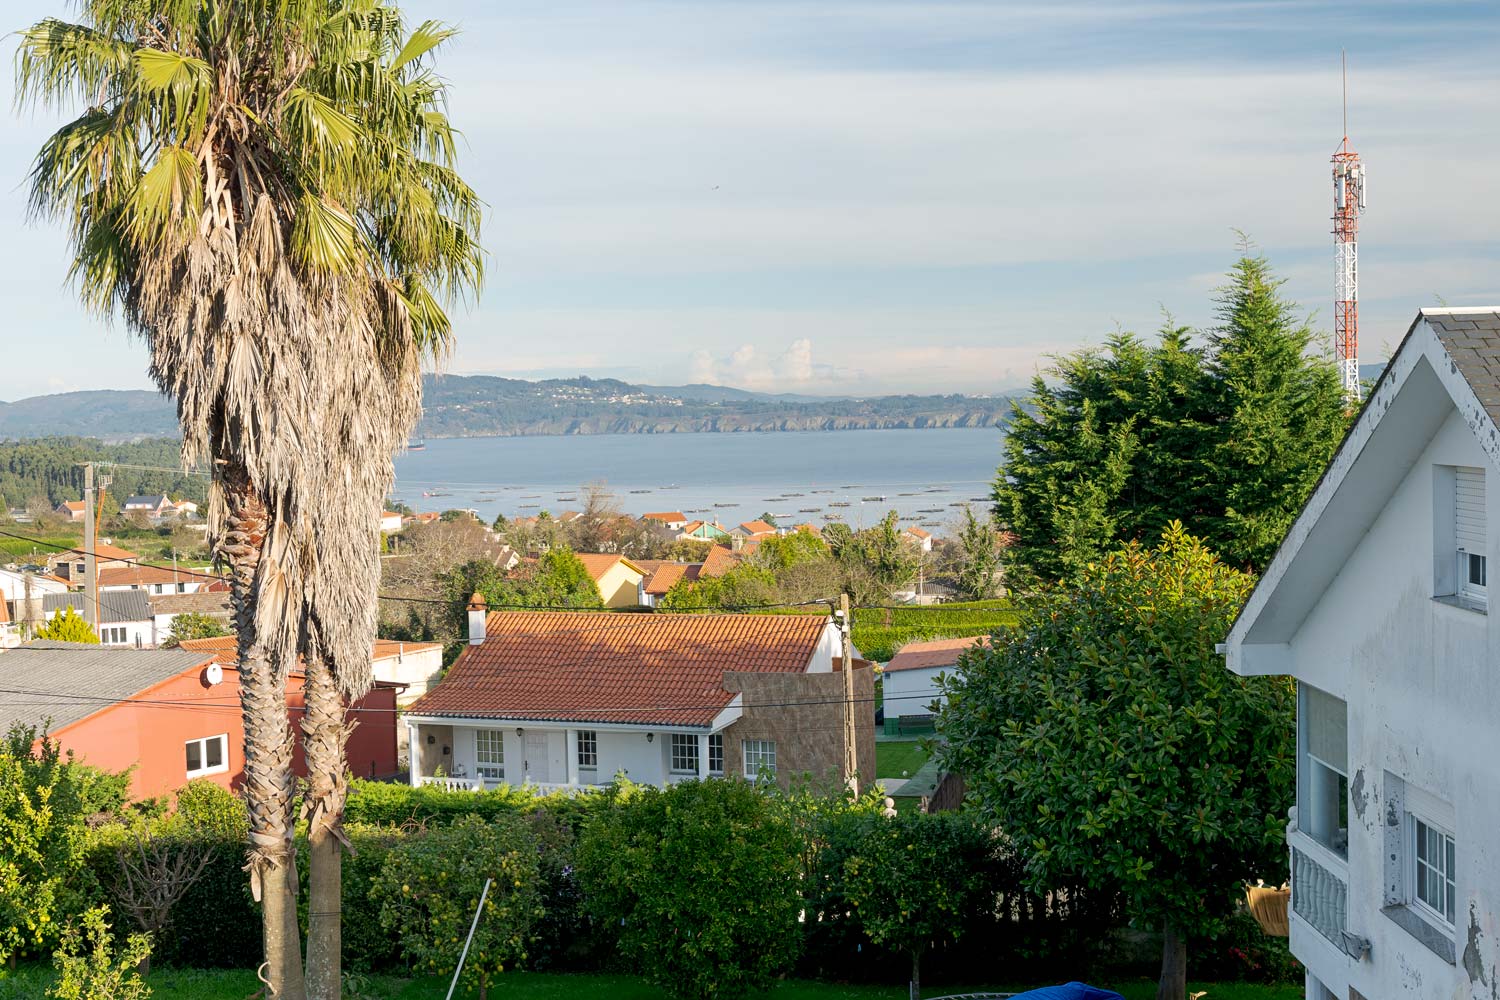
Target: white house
[
  {"x": 124, "y": 617},
  {"x": 909, "y": 687},
  {"x": 17, "y": 585},
  {"x": 153, "y": 580},
  {"x": 920, "y": 538},
  {"x": 153, "y": 505},
  {"x": 1377, "y": 603},
  {"x": 571, "y": 699},
  {"x": 390, "y": 522}
]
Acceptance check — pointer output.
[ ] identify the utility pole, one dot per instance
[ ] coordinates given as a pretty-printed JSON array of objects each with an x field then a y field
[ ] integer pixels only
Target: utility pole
[
  {"x": 851, "y": 755},
  {"x": 90, "y": 540}
]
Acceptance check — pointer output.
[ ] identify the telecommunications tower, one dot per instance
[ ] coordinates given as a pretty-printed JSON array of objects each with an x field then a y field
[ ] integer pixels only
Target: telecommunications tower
[{"x": 1348, "y": 203}]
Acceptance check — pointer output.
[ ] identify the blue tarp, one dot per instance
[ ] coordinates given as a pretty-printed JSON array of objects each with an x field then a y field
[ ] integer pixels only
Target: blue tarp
[{"x": 1069, "y": 991}]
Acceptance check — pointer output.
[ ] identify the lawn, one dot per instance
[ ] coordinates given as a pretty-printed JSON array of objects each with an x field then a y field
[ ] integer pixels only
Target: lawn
[
  {"x": 892, "y": 758},
  {"x": 188, "y": 984}
]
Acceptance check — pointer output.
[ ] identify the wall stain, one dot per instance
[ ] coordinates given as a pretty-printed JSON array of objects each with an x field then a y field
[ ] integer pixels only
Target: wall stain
[
  {"x": 1358, "y": 795},
  {"x": 1473, "y": 963}
]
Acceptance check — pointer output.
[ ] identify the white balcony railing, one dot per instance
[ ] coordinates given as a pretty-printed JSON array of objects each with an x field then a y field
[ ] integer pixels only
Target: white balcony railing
[
  {"x": 1320, "y": 886},
  {"x": 452, "y": 784}
]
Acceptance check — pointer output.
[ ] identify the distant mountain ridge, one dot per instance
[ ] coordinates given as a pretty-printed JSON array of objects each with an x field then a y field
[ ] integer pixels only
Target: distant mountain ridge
[{"x": 488, "y": 405}]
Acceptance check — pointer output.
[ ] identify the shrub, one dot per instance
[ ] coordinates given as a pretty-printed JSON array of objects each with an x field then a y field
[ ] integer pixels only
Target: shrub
[
  {"x": 700, "y": 881},
  {"x": 212, "y": 810},
  {"x": 41, "y": 839},
  {"x": 88, "y": 966},
  {"x": 430, "y": 886},
  {"x": 384, "y": 804},
  {"x": 368, "y": 947},
  {"x": 564, "y": 937}
]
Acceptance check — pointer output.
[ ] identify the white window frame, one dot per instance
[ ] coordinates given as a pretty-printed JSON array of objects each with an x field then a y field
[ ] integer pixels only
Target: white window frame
[
  {"x": 716, "y": 753},
  {"x": 588, "y": 750},
  {"x": 1472, "y": 548},
  {"x": 489, "y": 754},
  {"x": 759, "y": 756},
  {"x": 114, "y": 635},
  {"x": 202, "y": 743},
  {"x": 683, "y": 753},
  {"x": 1416, "y": 825}
]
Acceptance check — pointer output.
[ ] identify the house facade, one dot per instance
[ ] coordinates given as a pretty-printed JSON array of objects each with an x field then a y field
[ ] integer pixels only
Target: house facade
[
  {"x": 171, "y": 715},
  {"x": 909, "y": 682},
  {"x": 72, "y": 510},
  {"x": 1377, "y": 604},
  {"x": 124, "y": 617},
  {"x": 153, "y": 580},
  {"x": 570, "y": 700},
  {"x": 618, "y": 578}
]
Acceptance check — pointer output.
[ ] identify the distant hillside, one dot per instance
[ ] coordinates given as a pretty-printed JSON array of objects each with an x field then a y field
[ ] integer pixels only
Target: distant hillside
[
  {"x": 484, "y": 405},
  {"x": 113, "y": 414}
]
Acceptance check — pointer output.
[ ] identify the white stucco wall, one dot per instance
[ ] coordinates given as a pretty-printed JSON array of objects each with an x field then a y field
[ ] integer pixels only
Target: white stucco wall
[
  {"x": 911, "y": 692},
  {"x": 13, "y": 585},
  {"x": 417, "y": 667},
  {"x": 1421, "y": 683}
]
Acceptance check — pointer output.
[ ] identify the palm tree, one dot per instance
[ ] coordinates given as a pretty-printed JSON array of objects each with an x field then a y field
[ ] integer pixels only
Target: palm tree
[{"x": 265, "y": 191}]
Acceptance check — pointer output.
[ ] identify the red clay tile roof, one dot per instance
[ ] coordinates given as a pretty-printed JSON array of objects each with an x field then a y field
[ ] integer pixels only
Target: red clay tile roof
[
  {"x": 666, "y": 575},
  {"x": 108, "y": 552},
  {"x": 810, "y": 528},
  {"x": 919, "y": 532},
  {"x": 664, "y": 515},
  {"x": 758, "y": 527},
  {"x": 73, "y": 505},
  {"x": 719, "y": 561},
  {"x": 141, "y": 576},
  {"x": 599, "y": 563},
  {"x": 651, "y": 669},
  {"x": 937, "y": 653}
]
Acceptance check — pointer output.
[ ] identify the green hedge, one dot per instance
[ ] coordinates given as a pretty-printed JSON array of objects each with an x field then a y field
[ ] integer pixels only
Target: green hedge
[
  {"x": 377, "y": 803},
  {"x": 879, "y": 633}
]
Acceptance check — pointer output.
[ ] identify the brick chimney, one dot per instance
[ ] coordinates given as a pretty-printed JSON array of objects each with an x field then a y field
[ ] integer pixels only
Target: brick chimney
[{"x": 476, "y": 619}]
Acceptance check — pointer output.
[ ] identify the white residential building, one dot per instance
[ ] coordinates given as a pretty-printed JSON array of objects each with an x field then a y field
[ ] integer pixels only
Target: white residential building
[
  {"x": 1377, "y": 604},
  {"x": 909, "y": 687}
]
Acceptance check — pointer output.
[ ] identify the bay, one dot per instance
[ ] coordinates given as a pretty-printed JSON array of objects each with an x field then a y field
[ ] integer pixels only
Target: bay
[{"x": 812, "y": 476}]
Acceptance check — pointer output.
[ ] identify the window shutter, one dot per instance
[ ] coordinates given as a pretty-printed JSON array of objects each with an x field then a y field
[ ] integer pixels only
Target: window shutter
[
  {"x": 1468, "y": 509},
  {"x": 1326, "y": 728}
]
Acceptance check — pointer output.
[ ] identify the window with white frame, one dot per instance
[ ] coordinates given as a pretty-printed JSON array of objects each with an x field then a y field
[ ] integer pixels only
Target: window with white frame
[
  {"x": 114, "y": 635},
  {"x": 588, "y": 749},
  {"x": 209, "y": 755},
  {"x": 684, "y": 753},
  {"x": 1431, "y": 866},
  {"x": 489, "y": 754},
  {"x": 716, "y": 754},
  {"x": 760, "y": 758},
  {"x": 1323, "y": 768}
]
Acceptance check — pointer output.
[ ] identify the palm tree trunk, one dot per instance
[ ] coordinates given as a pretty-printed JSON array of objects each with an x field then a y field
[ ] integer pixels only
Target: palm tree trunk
[
  {"x": 324, "y": 734},
  {"x": 267, "y": 787}
]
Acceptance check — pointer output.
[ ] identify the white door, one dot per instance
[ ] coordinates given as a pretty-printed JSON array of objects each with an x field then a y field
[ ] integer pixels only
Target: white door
[{"x": 536, "y": 758}]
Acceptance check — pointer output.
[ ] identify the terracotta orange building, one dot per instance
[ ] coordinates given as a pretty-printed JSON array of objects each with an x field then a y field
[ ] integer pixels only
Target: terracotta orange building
[{"x": 170, "y": 714}]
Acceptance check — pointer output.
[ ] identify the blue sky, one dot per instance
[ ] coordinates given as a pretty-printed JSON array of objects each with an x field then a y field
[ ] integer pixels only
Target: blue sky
[{"x": 890, "y": 196}]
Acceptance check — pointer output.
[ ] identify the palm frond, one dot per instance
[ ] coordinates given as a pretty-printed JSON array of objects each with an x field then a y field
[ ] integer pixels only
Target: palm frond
[
  {"x": 167, "y": 201},
  {"x": 58, "y": 62},
  {"x": 324, "y": 239},
  {"x": 185, "y": 83},
  {"x": 424, "y": 38}
]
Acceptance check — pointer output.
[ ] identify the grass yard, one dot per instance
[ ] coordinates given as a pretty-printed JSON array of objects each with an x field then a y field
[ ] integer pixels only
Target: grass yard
[
  {"x": 893, "y": 757},
  {"x": 189, "y": 984}
]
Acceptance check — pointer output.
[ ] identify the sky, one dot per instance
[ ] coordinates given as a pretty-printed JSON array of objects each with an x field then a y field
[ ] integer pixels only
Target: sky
[{"x": 883, "y": 196}]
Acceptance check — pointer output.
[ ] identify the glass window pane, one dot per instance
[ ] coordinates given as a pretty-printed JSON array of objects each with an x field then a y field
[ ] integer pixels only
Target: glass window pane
[
  {"x": 195, "y": 756},
  {"x": 216, "y": 752}
]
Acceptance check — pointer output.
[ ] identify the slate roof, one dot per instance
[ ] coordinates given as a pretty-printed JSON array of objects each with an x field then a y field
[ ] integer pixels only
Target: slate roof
[
  {"x": 936, "y": 653},
  {"x": 1472, "y": 339},
  {"x": 649, "y": 669},
  {"x": 203, "y": 602},
  {"x": 75, "y": 680},
  {"x": 115, "y": 605}
]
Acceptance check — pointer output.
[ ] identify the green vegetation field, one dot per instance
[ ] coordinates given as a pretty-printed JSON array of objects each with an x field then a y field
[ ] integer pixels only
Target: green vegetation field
[
  {"x": 192, "y": 984},
  {"x": 893, "y": 757},
  {"x": 880, "y": 632}
]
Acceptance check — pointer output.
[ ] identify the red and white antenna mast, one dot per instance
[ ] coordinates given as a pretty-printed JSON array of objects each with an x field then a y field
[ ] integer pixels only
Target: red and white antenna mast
[{"x": 1348, "y": 203}]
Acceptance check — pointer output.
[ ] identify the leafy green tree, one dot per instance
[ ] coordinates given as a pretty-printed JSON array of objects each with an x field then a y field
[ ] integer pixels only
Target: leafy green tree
[
  {"x": 89, "y": 967},
  {"x": 913, "y": 879},
  {"x": 193, "y": 625},
  {"x": 41, "y": 841},
  {"x": 1280, "y": 411},
  {"x": 701, "y": 881},
  {"x": 1118, "y": 441},
  {"x": 979, "y": 557},
  {"x": 874, "y": 561},
  {"x": 429, "y": 889},
  {"x": 781, "y": 552},
  {"x": 557, "y": 579},
  {"x": 67, "y": 625},
  {"x": 743, "y": 587},
  {"x": 1107, "y": 736},
  {"x": 275, "y": 177}
]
